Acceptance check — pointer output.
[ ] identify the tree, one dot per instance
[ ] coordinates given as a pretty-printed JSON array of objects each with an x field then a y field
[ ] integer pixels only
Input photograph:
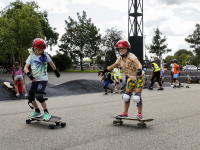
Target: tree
[
  {"x": 62, "y": 61},
  {"x": 109, "y": 40},
  {"x": 82, "y": 39},
  {"x": 158, "y": 45},
  {"x": 194, "y": 42},
  {"x": 19, "y": 24}
]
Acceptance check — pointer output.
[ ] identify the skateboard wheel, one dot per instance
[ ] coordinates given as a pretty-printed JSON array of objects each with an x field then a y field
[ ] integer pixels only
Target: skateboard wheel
[
  {"x": 63, "y": 124},
  {"x": 144, "y": 125},
  {"x": 121, "y": 122},
  {"x": 51, "y": 126},
  {"x": 28, "y": 121},
  {"x": 115, "y": 122}
]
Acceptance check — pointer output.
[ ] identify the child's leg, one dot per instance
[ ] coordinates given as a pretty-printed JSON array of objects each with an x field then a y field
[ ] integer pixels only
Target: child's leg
[
  {"x": 120, "y": 82},
  {"x": 23, "y": 85},
  {"x": 16, "y": 86},
  {"x": 127, "y": 96},
  {"x": 139, "y": 90},
  {"x": 116, "y": 83}
]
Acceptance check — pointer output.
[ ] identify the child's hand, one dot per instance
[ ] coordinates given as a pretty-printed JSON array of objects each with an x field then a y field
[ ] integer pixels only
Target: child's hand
[
  {"x": 137, "y": 77},
  {"x": 57, "y": 74},
  {"x": 33, "y": 79}
]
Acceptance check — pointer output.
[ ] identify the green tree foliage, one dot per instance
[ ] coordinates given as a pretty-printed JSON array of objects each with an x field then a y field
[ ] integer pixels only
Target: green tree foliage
[
  {"x": 20, "y": 24},
  {"x": 158, "y": 45},
  {"x": 82, "y": 39},
  {"x": 194, "y": 42},
  {"x": 109, "y": 41},
  {"x": 62, "y": 61},
  {"x": 182, "y": 56}
]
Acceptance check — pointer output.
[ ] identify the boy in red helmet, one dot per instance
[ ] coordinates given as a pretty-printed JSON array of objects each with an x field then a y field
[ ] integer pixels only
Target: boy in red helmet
[
  {"x": 133, "y": 69},
  {"x": 39, "y": 77}
]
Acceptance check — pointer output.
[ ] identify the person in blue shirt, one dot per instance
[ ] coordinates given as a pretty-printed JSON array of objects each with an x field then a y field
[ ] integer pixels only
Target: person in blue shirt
[{"x": 106, "y": 77}]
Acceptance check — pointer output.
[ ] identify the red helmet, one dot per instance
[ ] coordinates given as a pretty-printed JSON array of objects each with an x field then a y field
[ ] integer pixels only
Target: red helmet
[
  {"x": 39, "y": 43},
  {"x": 123, "y": 44}
]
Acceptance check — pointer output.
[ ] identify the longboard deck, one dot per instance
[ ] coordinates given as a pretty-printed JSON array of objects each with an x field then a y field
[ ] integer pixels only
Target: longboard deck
[
  {"x": 55, "y": 119},
  {"x": 118, "y": 120},
  {"x": 123, "y": 118},
  {"x": 117, "y": 92},
  {"x": 7, "y": 84},
  {"x": 52, "y": 119}
]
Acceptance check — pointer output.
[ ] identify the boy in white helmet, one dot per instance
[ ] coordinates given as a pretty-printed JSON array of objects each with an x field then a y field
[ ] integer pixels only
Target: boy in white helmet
[{"x": 133, "y": 69}]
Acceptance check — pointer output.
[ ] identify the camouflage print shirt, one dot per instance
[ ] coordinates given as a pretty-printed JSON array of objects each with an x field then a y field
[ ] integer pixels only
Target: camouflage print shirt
[{"x": 129, "y": 65}]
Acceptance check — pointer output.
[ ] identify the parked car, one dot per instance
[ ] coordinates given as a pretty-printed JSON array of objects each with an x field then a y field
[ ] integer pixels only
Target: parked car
[{"x": 191, "y": 68}]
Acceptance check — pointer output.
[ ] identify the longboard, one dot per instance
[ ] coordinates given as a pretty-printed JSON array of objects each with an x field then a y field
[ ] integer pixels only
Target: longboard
[
  {"x": 55, "y": 119},
  {"x": 140, "y": 124},
  {"x": 7, "y": 84},
  {"x": 187, "y": 86},
  {"x": 11, "y": 86},
  {"x": 118, "y": 92}
]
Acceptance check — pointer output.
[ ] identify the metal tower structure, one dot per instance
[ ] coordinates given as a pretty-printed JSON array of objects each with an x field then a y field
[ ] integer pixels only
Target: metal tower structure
[{"x": 135, "y": 27}]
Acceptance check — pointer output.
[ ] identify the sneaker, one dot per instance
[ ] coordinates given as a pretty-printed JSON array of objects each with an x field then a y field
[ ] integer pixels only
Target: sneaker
[
  {"x": 35, "y": 115},
  {"x": 179, "y": 85},
  {"x": 122, "y": 88},
  {"x": 111, "y": 91},
  {"x": 139, "y": 116},
  {"x": 105, "y": 94},
  {"x": 150, "y": 88},
  {"x": 18, "y": 95},
  {"x": 25, "y": 95},
  {"x": 160, "y": 88},
  {"x": 47, "y": 116},
  {"x": 123, "y": 115},
  {"x": 172, "y": 85}
]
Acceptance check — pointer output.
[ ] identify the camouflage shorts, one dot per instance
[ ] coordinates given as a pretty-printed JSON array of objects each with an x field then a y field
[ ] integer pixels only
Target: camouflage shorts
[{"x": 139, "y": 83}]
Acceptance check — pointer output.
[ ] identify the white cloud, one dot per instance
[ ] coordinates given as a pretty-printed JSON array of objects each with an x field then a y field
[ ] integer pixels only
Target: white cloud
[
  {"x": 188, "y": 11},
  {"x": 111, "y": 4},
  {"x": 2, "y": 6},
  {"x": 58, "y": 6}
]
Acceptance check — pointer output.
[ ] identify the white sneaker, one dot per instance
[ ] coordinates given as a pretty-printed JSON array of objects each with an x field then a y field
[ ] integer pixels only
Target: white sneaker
[
  {"x": 25, "y": 95},
  {"x": 18, "y": 95}
]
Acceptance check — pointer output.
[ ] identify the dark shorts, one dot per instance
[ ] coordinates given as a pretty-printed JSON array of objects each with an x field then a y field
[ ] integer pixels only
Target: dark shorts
[
  {"x": 106, "y": 83},
  {"x": 38, "y": 86},
  {"x": 156, "y": 75}
]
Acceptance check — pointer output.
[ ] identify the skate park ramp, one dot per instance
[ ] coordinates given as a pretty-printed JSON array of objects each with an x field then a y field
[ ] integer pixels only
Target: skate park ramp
[{"x": 74, "y": 87}]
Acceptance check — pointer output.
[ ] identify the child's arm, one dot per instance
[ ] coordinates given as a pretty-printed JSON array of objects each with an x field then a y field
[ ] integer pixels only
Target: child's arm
[
  {"x": 110, "y": 68},
  {"x": 31, "y": 77},
  {"x": 57, "y": 74},
  {"x": 139, "y": 71}
]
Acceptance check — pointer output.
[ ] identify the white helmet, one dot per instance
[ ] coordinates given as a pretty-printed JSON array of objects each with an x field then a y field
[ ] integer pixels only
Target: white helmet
[{"x": 152, "y": 60}]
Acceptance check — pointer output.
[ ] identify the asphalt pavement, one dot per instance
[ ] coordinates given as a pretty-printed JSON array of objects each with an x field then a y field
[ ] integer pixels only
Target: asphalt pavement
[{"x": 175, "y": 112}]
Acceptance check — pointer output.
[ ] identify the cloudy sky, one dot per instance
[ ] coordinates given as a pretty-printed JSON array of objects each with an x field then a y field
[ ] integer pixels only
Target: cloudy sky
[{"x": 175, "y": 18}]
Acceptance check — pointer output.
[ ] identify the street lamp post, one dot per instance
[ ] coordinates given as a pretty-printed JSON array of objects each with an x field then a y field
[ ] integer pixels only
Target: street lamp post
[{"x": 160, "y": 53}]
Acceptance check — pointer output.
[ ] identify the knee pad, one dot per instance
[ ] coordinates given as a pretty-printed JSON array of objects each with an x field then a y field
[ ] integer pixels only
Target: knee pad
[
  {"x": 31, "y": 98},
  {"x": 121, "y": 80},
  {"x": 152, "y": 79},
  {"x": 137, "y": 99},
  {"x": 175, "y": 79},
  {"x": 40, "y": 98},
  {"x": 159, "y": 79},
  {"x": 126, "y": 97},
  {"x": 117, "y": 83}
]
